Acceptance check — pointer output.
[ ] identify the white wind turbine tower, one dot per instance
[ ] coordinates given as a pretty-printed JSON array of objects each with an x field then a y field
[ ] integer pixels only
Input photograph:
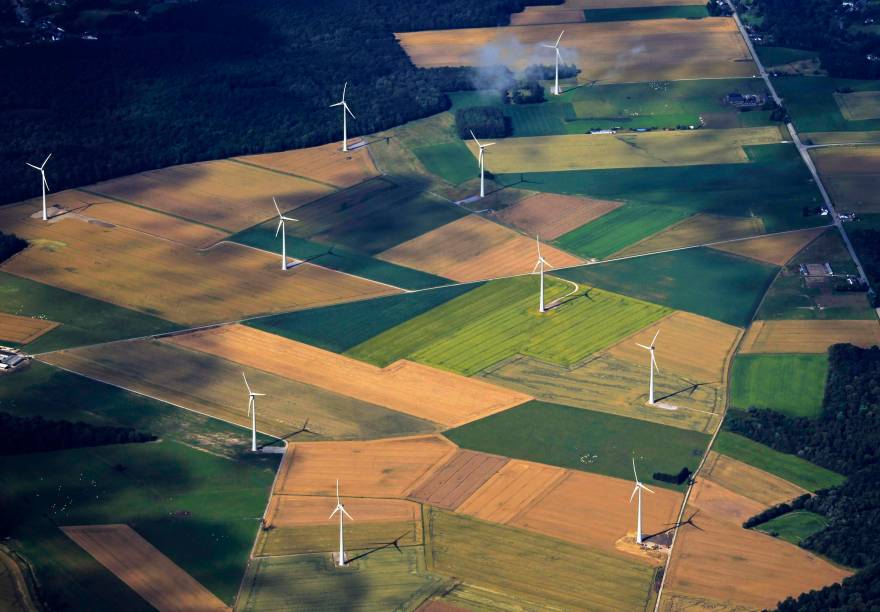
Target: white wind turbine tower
[
  {"x": 638, "y": 489},
  {"x": 555, "y": 47},
  {"x": 345, "y": 110},
  {"x": 42, "y": 170},
  {"x": 280, "y": 228},
  {"x": 341, "y": 510},
  {"x": 539, "y": 266},
  {"x": 252, "y": 412},
  {"x": 482, "y": 172},
  {"x": 652, "y": 366}
]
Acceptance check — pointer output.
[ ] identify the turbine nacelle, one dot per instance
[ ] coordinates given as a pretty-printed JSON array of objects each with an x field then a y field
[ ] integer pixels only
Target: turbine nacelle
[{"x": 639, "y": 484}]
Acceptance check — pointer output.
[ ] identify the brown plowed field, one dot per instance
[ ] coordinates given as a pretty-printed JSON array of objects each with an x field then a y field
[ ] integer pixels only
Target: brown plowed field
[
  {"x": 620, "y": 51},
  {"x": 380, "y": 468},
  {"x": 689, "y": 345},
  {"x": 299, "y": 510},
  {"x": 154, "y": 223},
  {"x": 419, "y": 390},
  {"x": 749, "y": 481},
  {"x": 776, "y": 249},
  {"x": 699, "y": 229},
  {"x": 457, "y": 479},
  {"x": 808, "y": 336},
  {"x": 594, "y": 511},
  {"x": 144, "y": 568},
  {"x": 535, "y": 15},
  {"x": 724, "y": 562},
  {"x": 473, "y": 248},
  {"x": 549, "y": 215},
  {"x": 22, "y": 330},
  {"x": 175, "y": 282},
  {"x": 327, "y": 163},
  {"x": 224, "y": 194},
  {"x": 851, "y": 174},
  {"x": 511, "y": 491}
]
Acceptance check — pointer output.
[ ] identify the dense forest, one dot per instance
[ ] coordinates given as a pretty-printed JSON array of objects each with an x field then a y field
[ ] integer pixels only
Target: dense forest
[
  {"x": 844, "y": 438},
  {"x": 217, "y": 78},
  {"x": 859, "y": 593},
  {"x": 10, "y": 244},
  {"x": 34, "y": 434},
  {"x": 824, "y": 26},
  {"x": 866, "y": 242}
]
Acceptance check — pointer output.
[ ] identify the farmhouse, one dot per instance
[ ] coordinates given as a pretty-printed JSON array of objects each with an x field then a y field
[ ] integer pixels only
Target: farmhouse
[
  {"x": 739, "y": 100},
  {"x": 11, "y": 359}
]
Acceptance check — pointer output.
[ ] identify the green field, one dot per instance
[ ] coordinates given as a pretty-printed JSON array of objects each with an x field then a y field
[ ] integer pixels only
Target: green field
[
  {"x": 360, "y": 536},
  {"x": 385, "y": 580},
  {"x": 451, "y": 161},
  {"x": 789, "y": 467},
  {"x": 500, "y": 319},
  {"x": 700, "y": 280},
  {"x": 791, "y": 384},
  {"x": 620, "y": 228},
  {"x": 646, "y": 12},
  {"x": 777, "y": 56},
  {"x": 584, "y": 440},
  {"x": 199, "y": 465},
  {"x": 810, "y": 100},
  {"x": 337, "y": 257},
  {"x": 536, "y": 568},
  {"x": 340, "y": 327},
  {"x": 83, "y": 320},
  {"x": 794, "y": 527}
]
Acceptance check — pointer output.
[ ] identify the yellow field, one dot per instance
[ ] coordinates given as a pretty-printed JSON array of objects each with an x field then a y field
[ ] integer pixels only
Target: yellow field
[
  {"x": 724, "y": 562},
  {"x": 859, "y": 105},
  {"x": 473, "y": 248},
  {"x": 851, "y": 175},
  {"x": 172, "y": 281},
  {"x": 625, "y": 149},
  {"x": 327, "y": 164},
  {"x": 22, "y": 330},
  {"x": 699, "y": 229},
  {"x": 154, "y": 223},
  {"x": 224, "y": 194},
  {"x": 411, "y": 388},
  {"x": 623, "y": 51},
  {"x": 550, "y": 215},
  {"x": 144, "y": 568},
  {"x": 380, "y": 468},
  {"x": 808, "y": 336},
  {"x": 776, "y": 249},
  {"x": 749, "y": 481}
]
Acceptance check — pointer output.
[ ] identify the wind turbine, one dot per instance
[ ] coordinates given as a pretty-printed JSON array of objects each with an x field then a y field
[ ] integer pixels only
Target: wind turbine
[
  {"x": 555, "y": 47},
  {"x": 252, "y": 412},
  {"x": 341, "y": 510},
  {"x": 280, "y": 228},
  {"x": 652, "y": 366},
  {"x": 482, "y": 172},
  {"x": 42, "y": 170},
  {"x": 540, "y": 266},
  {"x": 638, "y": 490},
  {"x": 345, "y": 109}
]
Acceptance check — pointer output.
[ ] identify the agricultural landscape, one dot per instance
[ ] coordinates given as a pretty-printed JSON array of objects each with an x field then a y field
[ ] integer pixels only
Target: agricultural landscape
[{"x": 611, "y": 346}]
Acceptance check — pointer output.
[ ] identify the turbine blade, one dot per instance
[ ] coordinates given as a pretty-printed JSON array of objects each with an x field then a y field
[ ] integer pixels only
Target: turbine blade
[
  {"x": 348, "y": 110},
  {"x": 654, "y": 362},
  {"x": 280, "y": 225},
  {"x": 335, "y": 510},
  {"x": 345, "y": 512},
  {"x": 547, "y": 263},
  {"x": 538, "y": 243},
  {"x": 655, "y": 338},
  {"x": 46, "y": 183},
  {"x": 647, "y": 348},
  {"x": 288, "y": 218},
  {"x": 246, "y": 384},
  {"x": 476, "y": 141},
  {"x": 275, "y": 202},
  {"x": 258, "y": 394},
  {"x": 560, "y": 38},
  {"x": 337, "y": 104},
  {"x": 337, "y": 491},
  {"x": 633, "y": 495},
  {"x": 646, "y": 488},
  {"x": 488, "y": 144},
  {"x": 548, "y": 46},
  {"x": 32, "y": 166},
  {"x": 537, "y": 265},
  {"x": 43, "y": 165},
  {"x": 344, "y": 87},
  {"x": 634, "y": 470}
]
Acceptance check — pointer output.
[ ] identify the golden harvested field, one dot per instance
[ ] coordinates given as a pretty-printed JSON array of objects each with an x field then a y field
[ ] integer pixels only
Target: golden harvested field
[
  {"x": 456, "y": 480},
  {"x": 22, "y": 330},
  {"x": 625, "y": 149},
  {"x": 378, "y": 468},
  {"x": 301, "y": 510},
  {"x": 168, "y": 280},
  {"x": 214, "y": 386},
  {"x": 405, "y": 386},
  {"x": 224, "y": 194},
  {"x": 851, "y": 174},
  {"x": 676, "y": 602},
  {"x": 602, "y": 510},
  {"x": 858, "y": 105},
  {"x": 511, "y": 491},
  {"x": 473, "y": 248},
  {"x": 724, "y": 562},
  {"x": 808, "y": 336},
  {"x": 154, "y": 223},
  {"x": 776, "y": 249},
  {"x": 689, "y": 345},
  {"x": 535, "y": 15},
  {"x": 144, "y": 568},
  {"x": 549, "y": 215},
  {"x": 865, "y": 137},
  {"x": 699, "y": 229},
  {"x": 622, "y": 51},
  {"x": 749, "y": 481},
  {"x": 327, "y": 164}
]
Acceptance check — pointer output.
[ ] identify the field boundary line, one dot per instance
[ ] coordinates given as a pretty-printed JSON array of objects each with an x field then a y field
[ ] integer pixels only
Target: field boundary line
[
  {"x": 238, "y": 160},
  {"x": 225, "y": 230}
]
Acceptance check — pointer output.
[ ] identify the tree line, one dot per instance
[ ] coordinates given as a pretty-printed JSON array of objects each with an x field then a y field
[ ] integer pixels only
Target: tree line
[
  {"x": 34, "y": 434},
  {"x": 10, "y": 244}
]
